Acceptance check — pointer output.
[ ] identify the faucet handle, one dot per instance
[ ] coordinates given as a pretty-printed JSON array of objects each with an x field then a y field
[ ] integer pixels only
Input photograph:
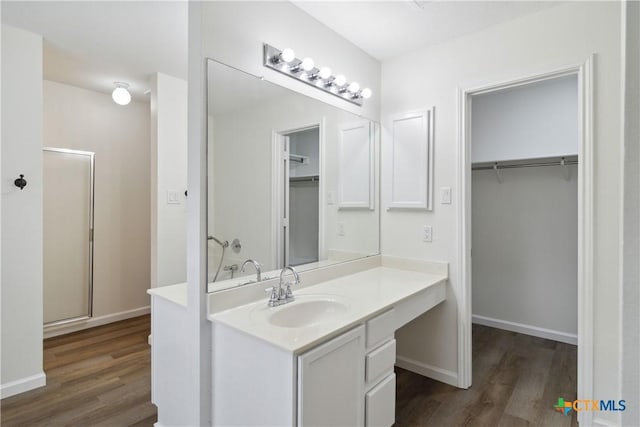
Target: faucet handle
[
  {"x": 288, "y": 292},
  {"x": 275, "y": 295}
]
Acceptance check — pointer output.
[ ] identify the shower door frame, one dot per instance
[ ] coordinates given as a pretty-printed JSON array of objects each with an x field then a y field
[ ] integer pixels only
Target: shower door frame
[{"x": 91, "y": 156}]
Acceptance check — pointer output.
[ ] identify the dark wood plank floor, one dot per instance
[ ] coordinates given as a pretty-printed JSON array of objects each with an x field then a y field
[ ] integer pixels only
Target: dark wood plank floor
[
  {"x": 102, "y": 377},
  {"x": 97, "y": 377},
  {"x": 516, "y": 381}
]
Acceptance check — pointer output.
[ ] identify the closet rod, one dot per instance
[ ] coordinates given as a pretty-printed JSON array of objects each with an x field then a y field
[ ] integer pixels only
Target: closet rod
[
  {"x": 524, "y": 165},
  {"x": 304, "y": 178}
]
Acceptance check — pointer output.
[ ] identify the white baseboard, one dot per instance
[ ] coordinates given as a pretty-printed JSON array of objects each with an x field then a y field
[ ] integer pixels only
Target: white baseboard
[
  {"x": 521, "y": 328},
  {"x": 601, "y": 422},
  {"x": 433, "y": 372},
  {"x": 67, "y": 328},
  {"x": 23, "y": 384}
]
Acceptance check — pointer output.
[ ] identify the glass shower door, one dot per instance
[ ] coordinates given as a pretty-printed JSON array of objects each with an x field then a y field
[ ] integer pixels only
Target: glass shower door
[{"x": 68, "y": 234}]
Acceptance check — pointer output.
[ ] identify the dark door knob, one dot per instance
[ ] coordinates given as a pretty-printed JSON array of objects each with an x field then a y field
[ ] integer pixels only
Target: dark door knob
[{"x": 20, "y": 182}]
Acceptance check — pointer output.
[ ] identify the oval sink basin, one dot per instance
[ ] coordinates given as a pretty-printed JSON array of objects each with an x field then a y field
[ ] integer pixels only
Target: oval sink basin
[
  {"x": 306, "y": 313},
  {"x": 306, "y": 310}
]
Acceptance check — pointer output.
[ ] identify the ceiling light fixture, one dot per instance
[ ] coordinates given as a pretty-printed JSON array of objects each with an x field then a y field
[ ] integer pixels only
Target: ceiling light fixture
[
  {"x": 120, "y": 94},
  {"x": 285, "y": 62}
]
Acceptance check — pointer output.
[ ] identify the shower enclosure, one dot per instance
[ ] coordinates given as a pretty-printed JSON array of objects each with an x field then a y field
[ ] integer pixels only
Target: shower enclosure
[{"x": 68, "y": 193}]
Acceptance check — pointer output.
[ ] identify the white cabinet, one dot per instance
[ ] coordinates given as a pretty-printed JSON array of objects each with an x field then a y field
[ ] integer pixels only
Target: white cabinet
[
  {"x": 380, "y": 396},
  {"x": 169, "y": 352},
  {"x": 331, "y": 382},
  {"x": 346, "y": 380},
  {"x": 381, "y": 403},
  {"x": 379, "y": 363}
]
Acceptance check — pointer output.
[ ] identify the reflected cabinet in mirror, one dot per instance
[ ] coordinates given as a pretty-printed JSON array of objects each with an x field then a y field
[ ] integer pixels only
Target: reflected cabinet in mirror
[{"x": 291, "y": 180}]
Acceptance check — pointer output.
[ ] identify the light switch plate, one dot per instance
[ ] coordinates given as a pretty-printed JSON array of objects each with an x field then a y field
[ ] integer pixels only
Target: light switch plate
[
  {"x": 173, "y": 197},
  {"x": 340, "y": 229},
  {"x": 445, "y": 195},
  {"x": 331, "y": 197},
  {"x": 427, "y": 233}
]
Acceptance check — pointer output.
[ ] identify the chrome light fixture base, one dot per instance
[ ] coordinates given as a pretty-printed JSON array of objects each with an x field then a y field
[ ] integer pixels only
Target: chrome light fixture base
[{"x": 272, "y": 58}]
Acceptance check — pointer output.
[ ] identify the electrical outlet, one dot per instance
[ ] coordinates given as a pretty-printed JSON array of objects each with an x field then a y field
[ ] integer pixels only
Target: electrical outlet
[
  {"x": 427, "y": 233},
  {"x": 340, "y": 229},
  {"x": 445, "y": 195},
  {"x": 331, "y": 197}
]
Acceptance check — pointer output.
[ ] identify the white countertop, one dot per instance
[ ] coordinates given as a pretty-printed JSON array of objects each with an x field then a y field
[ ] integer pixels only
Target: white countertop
[
  {"x": 367, "y": 293},
  {"x": 175, "y": 293}
]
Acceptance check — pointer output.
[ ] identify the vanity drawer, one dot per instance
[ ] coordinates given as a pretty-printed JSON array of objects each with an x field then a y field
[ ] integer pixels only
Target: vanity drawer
[
  {"x": 380, "y": 404},
  {"x": 380, "y": 362},
  {"x": 380, "y": 329}
]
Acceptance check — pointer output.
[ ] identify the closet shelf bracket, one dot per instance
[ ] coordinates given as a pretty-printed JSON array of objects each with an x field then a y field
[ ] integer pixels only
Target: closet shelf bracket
[
  {"x": 565, "y": 169},
  {"x": 498, "y": 172}
]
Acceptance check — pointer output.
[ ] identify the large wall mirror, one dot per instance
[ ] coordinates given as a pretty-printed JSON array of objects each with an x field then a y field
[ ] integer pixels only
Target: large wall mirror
[{"x": 291, "y": 180}]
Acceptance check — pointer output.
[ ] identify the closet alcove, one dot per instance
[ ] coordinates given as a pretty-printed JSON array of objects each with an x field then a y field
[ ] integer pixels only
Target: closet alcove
[{"x": 525, "y": 208}]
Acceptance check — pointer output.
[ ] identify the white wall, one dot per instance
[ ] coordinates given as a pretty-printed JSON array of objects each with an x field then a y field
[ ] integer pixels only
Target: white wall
[
  {"x": 556, "y": 37},
  {"x": 525, "y": 247},
  {"x": 631, "y": 227},
  {"x": 21, "y": 292},
  {"x": 119, "y": 135},
  {"x": 526, "y": 122},
  {"x": 168, "y": 173}
]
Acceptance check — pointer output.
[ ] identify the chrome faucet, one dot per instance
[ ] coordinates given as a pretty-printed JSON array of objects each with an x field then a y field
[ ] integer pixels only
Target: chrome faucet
[
  {"x": 280, "y": 295},
  {"x": 256, "y": 264}
]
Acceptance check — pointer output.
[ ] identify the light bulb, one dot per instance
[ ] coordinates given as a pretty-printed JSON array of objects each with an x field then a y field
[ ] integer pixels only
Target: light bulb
[
  {"x": 354, "y": 87},
  {"x": 366, "y": 93},
  {"x": 120, "y": 94},
  {"x": 340, "y": 80},
  {"x": 307, "y": 64},
  {"x": 288, "y": 55},
  {"x": 325, "y": 73}
]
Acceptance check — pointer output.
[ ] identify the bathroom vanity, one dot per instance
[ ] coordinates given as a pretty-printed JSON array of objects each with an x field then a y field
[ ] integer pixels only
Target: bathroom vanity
[
  {"x": 309, "y": 196},
  {"x": 327, "y": 358}
]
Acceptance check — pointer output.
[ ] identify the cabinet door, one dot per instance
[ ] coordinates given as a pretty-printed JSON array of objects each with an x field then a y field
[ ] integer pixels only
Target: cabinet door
[{"x": 331, "y": 382}]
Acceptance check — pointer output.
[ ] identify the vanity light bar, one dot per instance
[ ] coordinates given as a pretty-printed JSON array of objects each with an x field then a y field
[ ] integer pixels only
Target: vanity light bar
[{"x": 304, "y": 70}]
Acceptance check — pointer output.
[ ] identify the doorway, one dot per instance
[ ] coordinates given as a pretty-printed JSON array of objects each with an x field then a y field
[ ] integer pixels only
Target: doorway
[
  {"x": 298, "y": 193},
  {"x": 584, "y": 73},
  {"x": 68, "y": 193}
]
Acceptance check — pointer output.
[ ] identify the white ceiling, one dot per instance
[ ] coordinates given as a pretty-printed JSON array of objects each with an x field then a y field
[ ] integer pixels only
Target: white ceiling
[
  {"x": 385, "y": 29},
  {"x": 91, "y": 44}
]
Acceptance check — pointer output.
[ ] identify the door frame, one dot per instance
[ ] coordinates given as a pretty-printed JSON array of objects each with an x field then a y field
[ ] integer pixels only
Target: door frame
[
  {"x": 91, "y": 156},
  {"x": 277, "y": 178},
  {"x": 584, "y": 72}
]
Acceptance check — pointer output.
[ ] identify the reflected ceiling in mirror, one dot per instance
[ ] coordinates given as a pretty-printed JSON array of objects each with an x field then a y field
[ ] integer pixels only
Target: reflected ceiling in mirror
[{"x": 291, "y": 180}]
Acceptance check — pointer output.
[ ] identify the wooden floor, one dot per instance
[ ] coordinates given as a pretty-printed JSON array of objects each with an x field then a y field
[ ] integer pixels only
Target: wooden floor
[
  {"x": 102, "y": 377},
  {"x": 516, "y": 381},
  {"x": 97, "y": 377}
]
